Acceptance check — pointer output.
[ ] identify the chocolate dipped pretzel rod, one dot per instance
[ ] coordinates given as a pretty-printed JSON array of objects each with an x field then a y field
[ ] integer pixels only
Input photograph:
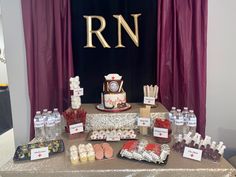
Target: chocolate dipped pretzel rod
[
  {"x": 121, "y": 85},
  {"x": 156, "y": 89},
  {"x": 144, "y": 91},
  {"x": 150, "y": 91}
]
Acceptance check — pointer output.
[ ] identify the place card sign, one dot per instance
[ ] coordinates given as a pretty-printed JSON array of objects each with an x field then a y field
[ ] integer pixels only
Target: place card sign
[
  {"x": 39, "y": 153},
  {"x": 144, "y": 122},
  {"x": 160, "y": 132},
  {"x": 192, "y": 153},
  {"x": 112, "y": 138},
  {"x": 149, "y": 100},
  {"x": 79, "y": 92},
  {"x": 76, "y": 128}
]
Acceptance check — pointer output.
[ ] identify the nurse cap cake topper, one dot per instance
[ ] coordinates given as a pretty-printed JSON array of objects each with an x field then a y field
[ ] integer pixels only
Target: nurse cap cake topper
[{"x": 113, "y": 76}]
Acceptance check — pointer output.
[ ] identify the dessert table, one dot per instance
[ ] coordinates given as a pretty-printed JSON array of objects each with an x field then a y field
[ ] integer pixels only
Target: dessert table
[{"x": 60, "y": 166}]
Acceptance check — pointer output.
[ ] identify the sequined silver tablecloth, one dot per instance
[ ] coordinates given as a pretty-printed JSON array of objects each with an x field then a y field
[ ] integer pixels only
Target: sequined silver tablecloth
[{"x": 60, "y": 166}]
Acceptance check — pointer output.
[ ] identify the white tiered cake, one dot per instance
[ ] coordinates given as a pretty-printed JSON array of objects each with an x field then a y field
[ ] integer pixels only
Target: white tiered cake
[{"x": 114, "y": 95}]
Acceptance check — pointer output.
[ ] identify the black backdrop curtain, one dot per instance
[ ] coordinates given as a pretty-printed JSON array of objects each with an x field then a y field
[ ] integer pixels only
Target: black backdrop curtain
[{"x": 137, "y": 65}]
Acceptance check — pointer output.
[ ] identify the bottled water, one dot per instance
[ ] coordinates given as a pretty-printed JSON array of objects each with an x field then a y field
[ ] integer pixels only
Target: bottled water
[
  {"x": 57, "y": 117},
  {"x": 192, "y": 122},
  {"x": 50, "y": 127},
  {"x": 185, "y": 115},
  {"x": 39, "y": 127},
  {"x": 172, "y": 117},
  {"x": 179, "y": 123},
  {"x": 173, "y": 113},
  {"x": 44, "y": 114}
]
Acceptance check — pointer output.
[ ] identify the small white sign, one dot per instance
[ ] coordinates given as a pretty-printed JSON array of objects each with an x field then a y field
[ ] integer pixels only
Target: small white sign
[
  {"x": 112, "y": 138},
  {"x": 76, "y": 128},
  {"x": 149, "y": 100},
  {"x": 192, "y": 153},
  {"x": 39, "y": 153},
  {"x": 160, "y": 132},
  {"x": 144, "y": 122},
  {"x": 79, "y": 92}
]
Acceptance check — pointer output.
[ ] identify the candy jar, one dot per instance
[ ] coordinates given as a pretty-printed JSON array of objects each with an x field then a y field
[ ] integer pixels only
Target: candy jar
[{"x": 162, "y": 128}]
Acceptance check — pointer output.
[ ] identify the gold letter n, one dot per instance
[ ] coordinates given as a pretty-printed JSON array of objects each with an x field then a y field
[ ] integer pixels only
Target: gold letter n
[{"x": 134, "y": 37}]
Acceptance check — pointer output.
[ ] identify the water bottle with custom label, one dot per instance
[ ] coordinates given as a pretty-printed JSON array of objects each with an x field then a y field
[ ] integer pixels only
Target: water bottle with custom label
[
  {"x": 172, "y": 117},
  {"x": 185, "y": 115},
  {"x": 39, "y": 127},
  {"x": 179, "y": 123},
  {"x": 57, "y": 117},
  {"x": 44, "y": 114},
  {"x": 50, "y": 129},
  {"x": 192, "y": 122}
]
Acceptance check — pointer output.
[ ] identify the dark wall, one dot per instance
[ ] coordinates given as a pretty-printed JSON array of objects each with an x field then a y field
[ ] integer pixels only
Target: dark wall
[
  {"x": 137, "y": 65},
  {"x": 5, "y": 111}
]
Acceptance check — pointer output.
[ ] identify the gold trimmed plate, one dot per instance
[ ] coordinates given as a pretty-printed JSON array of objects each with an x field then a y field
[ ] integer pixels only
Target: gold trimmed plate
[{"x": 102, "y": 108}]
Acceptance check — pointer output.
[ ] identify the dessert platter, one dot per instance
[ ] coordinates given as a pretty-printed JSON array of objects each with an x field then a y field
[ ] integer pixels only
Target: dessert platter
[
  {"x": 113, "y": 97},
  {"x": 144, "y": 151},
  {"x": 84, "y": 153},
  {"x": 113, "y": 135},
  {"x": 23, "y": 152}
]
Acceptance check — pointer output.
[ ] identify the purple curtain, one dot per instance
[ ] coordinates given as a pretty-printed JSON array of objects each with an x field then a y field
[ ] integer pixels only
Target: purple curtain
[
  {"x": 182, "y": 42},
  {"x": 47, "y": 28}
]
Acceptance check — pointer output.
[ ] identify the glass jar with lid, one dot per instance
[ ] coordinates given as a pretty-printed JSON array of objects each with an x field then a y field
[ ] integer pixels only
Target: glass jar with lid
[{"x": 162, "y": 128}]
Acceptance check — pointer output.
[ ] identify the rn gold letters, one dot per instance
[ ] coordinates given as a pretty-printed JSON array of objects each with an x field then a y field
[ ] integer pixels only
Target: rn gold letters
[{"x": 120, "y": 23}]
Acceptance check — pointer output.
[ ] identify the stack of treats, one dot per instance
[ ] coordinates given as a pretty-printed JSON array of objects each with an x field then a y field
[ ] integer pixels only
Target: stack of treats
[
  {"x": 103, "y": 150},
  {"x": 144, "y": 113}
]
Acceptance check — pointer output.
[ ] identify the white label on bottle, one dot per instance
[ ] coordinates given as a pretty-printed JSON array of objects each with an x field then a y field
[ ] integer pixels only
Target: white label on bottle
[
  {"x": 185, "y": 119},
  {"x": 179, "y": 121},
  {"x": 172, "y": 117},
  {"x": 39, "y": 124},
  {"x": 149, "y": 100},
  {"x": 50, "y": 123},
  {"x": 160, "y": 132},
  {"x": 57, "y": 119},
  {"x": 39, "y": 153},
  {"x": 192, "y": 153},
  {"x": 112, "y": 138},
  {"x": 76, "y": 128},
  {"x": 79, "y": 92},
  {"x": 144, "y": 121},
  {"x": 192, "y": 123}
]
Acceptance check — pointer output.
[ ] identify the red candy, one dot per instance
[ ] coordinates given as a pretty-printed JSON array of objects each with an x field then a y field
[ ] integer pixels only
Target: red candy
[
  {"x": 163, "y": 123},
  {"x": 156, "y": 148},
  {"x": 130, "y": 145},
  {"x": 74, "y": 116}
]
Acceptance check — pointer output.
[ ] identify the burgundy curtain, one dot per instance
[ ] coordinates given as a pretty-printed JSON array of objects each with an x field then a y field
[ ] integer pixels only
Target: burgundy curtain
[
  {"x": 182, "y": 41},
  {"x": 47, "y": 28}
]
